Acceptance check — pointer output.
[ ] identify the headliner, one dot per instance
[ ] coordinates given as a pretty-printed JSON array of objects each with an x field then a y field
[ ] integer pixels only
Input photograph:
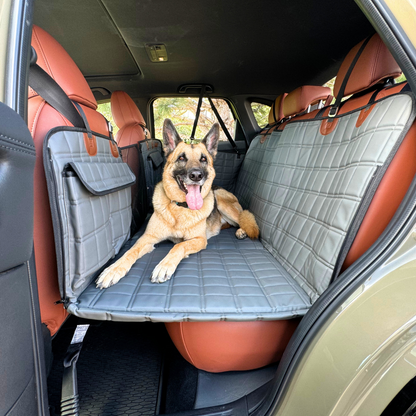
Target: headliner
[{"x": 238, "y": 46}]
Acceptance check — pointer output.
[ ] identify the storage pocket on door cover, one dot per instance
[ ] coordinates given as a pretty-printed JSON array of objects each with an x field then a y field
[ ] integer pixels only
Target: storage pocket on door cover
[{"x": 97, "y": 199}]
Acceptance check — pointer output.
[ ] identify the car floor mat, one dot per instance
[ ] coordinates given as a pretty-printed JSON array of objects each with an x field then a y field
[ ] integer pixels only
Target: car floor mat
[{"x": 118, "y": 370}]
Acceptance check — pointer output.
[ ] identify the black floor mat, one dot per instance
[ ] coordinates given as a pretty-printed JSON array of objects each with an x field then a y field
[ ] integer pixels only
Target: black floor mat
[{"x": 118, "y": 369}]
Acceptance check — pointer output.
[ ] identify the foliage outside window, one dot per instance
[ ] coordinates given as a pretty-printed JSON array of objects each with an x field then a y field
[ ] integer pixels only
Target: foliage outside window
[
  {"x": 105, "y": 110},
  {"x": 182, "y": 110},
  {"x": 330, "y": 84},
  {"x": 401, "y": 78},
  {"x": 261, "y": 113}
]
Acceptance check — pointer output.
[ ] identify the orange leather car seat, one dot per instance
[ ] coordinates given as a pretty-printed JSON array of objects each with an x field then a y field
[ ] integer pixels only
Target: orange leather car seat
[
  {"x": 128, "y": 119},
  {"x": 300, "y": 99},
  {"x": 229, "y": 346},
  {"x": 41, "y": 118},
  {"x": 276, "y": 110},
  {"x": 275, "y": 117}
]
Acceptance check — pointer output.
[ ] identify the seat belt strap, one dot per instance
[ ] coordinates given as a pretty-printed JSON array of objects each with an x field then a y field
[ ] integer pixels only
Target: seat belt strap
[
  {"x": 69, "y": 395},
  {"x": 198, "y": 110},
  {"x": 84, "y": 119},
  {"x": 223, "y": 126},
  {"x": 41, "y": 82},
  {"x": 334, "y": 109}
]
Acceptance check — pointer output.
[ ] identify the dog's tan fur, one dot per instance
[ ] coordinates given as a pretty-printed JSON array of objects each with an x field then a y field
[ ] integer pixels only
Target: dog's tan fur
[{"x": 188, "y": 229}]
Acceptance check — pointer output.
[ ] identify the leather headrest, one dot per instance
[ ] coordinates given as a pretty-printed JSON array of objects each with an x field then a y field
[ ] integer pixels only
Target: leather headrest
[
  {"x": 124, "y": 110},
  {"x": 301, "y": 98},
  {"x": 375, "y": 64},
  {"x": 53, "y": 59},
  {"x": 276, "y": 111}
]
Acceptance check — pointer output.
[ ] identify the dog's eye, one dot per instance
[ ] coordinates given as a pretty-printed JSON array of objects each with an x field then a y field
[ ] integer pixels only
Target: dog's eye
[
  {"x": 203, "y": 159},
  {"x": 181, "y": 158}
]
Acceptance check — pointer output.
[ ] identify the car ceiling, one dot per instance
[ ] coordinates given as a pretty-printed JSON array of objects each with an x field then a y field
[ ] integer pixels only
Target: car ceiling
[{"x": 237, "y": 46}]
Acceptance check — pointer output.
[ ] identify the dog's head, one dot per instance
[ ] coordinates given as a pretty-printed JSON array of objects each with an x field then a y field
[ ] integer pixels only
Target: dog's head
[{"x": 189, "y": 169}]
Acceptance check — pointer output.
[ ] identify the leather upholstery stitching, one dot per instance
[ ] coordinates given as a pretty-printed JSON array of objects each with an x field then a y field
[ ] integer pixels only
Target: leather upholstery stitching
[
  {"x": 43, "y": 53},
  {"x": 17, "y": 141},
  {"x": 184, "y": 343},
  {"x": 19, "y": 150},
  {"x": 36, "y": 118},
  {"x": 375, "y": 64}
]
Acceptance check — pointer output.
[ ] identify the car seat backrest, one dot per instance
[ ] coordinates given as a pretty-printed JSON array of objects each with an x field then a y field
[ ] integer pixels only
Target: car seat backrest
[
  {"x": 41, "y": 118},
  {"x": 133, "y": 133},
  {"x": 128, "y": 119},
  {"x": 300, "y": 99},
  {"x": 305, "y": 184},
  {"x": 374, "y": 65},
  {"x": 276, "y": 110}
]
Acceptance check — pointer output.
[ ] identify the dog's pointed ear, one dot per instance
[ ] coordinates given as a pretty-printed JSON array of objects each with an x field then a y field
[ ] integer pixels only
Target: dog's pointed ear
[
  {"x": 171, "y": 137},
  {"x": 211, "y": 140}
]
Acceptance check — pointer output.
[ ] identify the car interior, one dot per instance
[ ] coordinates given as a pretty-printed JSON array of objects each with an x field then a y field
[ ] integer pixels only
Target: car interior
[{"x": 323, "y": 178}]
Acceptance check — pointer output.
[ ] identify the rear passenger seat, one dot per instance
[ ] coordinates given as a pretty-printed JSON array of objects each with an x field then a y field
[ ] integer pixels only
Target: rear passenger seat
[
  {"x": 133, "y": 132},
  {"x": 308, "y": 186},
  {"x": 41, "y": 119}
]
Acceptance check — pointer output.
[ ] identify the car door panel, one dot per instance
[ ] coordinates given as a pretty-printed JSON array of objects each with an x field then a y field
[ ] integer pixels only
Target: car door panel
[{"x": 22, "y": 381}]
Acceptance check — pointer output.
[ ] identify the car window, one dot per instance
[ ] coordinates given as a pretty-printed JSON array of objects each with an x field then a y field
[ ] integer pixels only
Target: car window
[
  {"x": 261, "y": 113},
  {"x": 182, "y": 110},
  {"x": 105, "y": 110},
  {"x": 330, "y": 84},
  {"x": 401, "y": 78}
]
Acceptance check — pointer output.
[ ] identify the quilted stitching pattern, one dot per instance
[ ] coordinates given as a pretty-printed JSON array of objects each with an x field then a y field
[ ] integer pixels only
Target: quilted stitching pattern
[
  {"x": 227, "y": 167},
  {"x": 94, "y": 227},
  {"x": 225, "y": 282},
  {"x": 305, "y": 188}
]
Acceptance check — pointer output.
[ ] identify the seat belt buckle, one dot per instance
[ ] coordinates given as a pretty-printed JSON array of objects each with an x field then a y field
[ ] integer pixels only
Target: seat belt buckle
[
  {"x": 333, "y": 111},
  {"x": 69, "y": 395}
]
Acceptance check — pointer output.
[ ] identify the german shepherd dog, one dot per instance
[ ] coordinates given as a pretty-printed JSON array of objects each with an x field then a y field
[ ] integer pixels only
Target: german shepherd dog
[{"x": 187, "y": 209}]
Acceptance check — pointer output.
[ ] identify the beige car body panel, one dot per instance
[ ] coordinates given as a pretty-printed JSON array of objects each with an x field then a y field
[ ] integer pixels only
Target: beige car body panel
[
  {"x": 366, "y": 352},
  {"x": 405, "y": 13},
  {"x": 5, "y": 8}
]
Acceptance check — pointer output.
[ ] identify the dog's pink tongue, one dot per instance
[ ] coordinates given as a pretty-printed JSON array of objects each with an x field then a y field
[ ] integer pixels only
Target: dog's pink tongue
[{"x": 194, "y": 197}]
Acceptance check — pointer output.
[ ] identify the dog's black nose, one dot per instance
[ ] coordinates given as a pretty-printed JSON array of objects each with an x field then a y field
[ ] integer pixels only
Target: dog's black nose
[{"x": 195, "y": 175}]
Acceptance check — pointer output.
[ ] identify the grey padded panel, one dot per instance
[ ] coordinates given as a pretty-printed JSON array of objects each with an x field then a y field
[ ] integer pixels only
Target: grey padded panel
[
  {"x": 305, "y": 188},
  {"x": 103, "y": 178},
  {"x": 93, "y": 228},
  {"x": 230, "y": 280},
  {"x": 227, "y": 167}
]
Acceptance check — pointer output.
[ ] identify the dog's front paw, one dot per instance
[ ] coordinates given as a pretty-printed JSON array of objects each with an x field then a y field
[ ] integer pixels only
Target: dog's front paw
[
  {"x": 111, "y": 275},
  {"x": 240, "y": 234},
  {"x": 163, "y": 271}
]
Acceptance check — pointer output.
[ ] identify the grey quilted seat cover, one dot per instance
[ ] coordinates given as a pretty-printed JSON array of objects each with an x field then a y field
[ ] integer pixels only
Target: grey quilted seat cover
[
  {"x": 91, "y": 203},
  {"x": 227, "y": 167},
  {"x": 305, "y": 190},
  {"x": 230, "y": 280}
]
